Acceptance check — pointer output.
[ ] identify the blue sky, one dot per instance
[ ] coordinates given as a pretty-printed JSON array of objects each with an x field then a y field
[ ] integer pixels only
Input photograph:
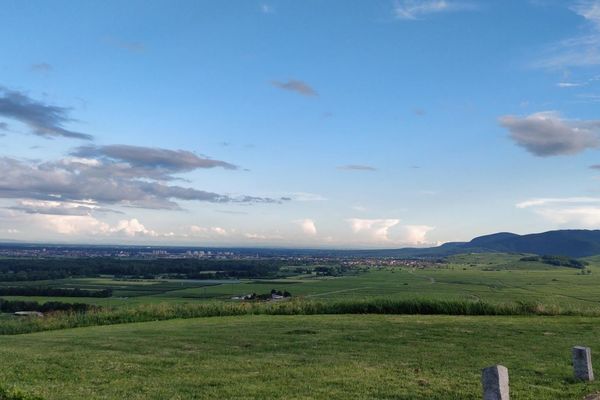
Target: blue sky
[{"x": 298, "y": 123}]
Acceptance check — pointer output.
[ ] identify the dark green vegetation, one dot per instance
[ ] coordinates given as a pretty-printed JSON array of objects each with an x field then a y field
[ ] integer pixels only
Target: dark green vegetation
[
  {"x": 165, "y": 311},
  {"x": 301, "y": 357},
  {"x": 11, "y": 306},
  {"x": 559, "y": 261},
  {"x": 22, "y": 269},
  {"x": 49, "y": 291}
]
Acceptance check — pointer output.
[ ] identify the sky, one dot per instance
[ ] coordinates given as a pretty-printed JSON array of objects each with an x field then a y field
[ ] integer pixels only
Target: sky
[{"x": 297, "y": 123}]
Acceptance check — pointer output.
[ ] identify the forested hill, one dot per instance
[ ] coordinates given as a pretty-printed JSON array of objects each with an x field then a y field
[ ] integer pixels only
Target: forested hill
[{"x": 571, "y": 243}]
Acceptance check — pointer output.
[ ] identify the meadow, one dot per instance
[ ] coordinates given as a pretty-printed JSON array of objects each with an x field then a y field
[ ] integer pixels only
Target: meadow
[
  {"x": 301, "y": 357},
  {"x": 340, "y": 337}
]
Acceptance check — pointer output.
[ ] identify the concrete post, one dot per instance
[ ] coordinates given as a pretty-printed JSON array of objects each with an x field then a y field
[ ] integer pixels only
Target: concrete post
[
  {"x": 495, "y": 383},
  {"x": 582, "y": 363}
]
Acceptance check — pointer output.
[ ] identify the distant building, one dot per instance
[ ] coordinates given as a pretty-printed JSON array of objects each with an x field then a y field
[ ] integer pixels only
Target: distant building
[{"x": 29, "y": 314}]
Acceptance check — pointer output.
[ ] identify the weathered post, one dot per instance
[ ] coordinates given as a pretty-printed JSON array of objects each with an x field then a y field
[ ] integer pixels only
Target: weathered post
[
  {"x": 582, "y": 363},
  {"x": 495, "y": 383}
]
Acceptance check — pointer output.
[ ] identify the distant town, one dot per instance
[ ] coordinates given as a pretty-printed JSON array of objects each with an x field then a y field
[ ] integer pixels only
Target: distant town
[{"x": 312, "y": 257}]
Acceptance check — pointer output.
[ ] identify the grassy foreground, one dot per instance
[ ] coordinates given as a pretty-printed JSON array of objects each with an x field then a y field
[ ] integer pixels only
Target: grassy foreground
[{"x": 301, "y": 357}]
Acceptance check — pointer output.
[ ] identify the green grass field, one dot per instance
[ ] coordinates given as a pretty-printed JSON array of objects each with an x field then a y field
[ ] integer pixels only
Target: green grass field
[
  {"x": 360, "y": 356},
  {"x": 301, "y": 357}
]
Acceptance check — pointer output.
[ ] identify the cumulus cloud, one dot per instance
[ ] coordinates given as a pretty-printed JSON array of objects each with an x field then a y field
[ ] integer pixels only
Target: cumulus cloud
[
  {"x": 389, "y": 231},
  {"x": 377, "y": 228},
  {"x": 131, "y": 228},
  {"x": 582, "y": 212},
  {"x": 296, "y": 86},
  {"x": 416, "y": 234},
  {"x": 415, "y": 9},
  {"x": 357, "y": 167},
  {"x": 308, "y": 226},
  {"x": 87, "y": 225},
  {"x": 72, "y": 224},
  {"x": 42, "y": 119},
  {"x": 548, "y": 134}
]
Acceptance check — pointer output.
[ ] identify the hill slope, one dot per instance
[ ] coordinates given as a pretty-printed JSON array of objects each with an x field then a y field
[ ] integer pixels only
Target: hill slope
[{"x": 571, "y": 243}]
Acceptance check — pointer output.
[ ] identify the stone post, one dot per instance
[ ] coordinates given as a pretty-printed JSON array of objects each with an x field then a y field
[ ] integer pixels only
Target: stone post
[
  {"x": 495, "y": 383},
  {"x": 582, "y": 363}
]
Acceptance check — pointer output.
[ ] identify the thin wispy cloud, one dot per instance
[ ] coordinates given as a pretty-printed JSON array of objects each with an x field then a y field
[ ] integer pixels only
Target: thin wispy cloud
[
  {"x": 356, "y": 167},
  {"x": 296, "y": 86},
  {"x": 41, "y": 67},
  {"x": 130, "y": 46},
  {"x": 569, "y": 84},
  {"x": 581, "y": 212},
  {"x": 578, "y": 51},
  {"x": 266, "y": 8},
  {"x": 43, "y": 119},
  {"x": 417, "y": 9},
  {"x": 547, "y": 134}
]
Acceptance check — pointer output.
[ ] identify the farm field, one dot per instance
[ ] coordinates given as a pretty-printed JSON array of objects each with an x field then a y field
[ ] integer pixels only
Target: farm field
[
  {"x": 301, "y": 357},
  {"x": 492, "y": 278}
]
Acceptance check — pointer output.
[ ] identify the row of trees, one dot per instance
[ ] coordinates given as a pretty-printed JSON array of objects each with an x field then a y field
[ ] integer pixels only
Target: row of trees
[
  {"x": 559, "y": 261},
  {"x": 12, "y": 270},
  {"x": 10, "y": 306},
  {"x": 52, "y": 292}
]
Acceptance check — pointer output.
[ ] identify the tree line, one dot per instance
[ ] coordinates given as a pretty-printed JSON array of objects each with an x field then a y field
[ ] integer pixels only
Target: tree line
[
  {"x": 11, "y": 306},
  {"x": 12, "y": 270},
  {"x": 52, "y": 292}
]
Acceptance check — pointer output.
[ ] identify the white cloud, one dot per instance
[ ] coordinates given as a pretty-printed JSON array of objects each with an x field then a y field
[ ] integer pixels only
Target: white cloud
[
  {"x": 377, "y": 228},
  {"x": 195, "y": 230},
  {"x": 389, "y": 231},
  {"x": 556, "y": 200},
  {"x": 219, "y": 231},
  {"x": 574, "y": 212},
  {"x": 131, "y": 228},
  {"x": 305, "y": 196},
  {"x": 414, "y": 9},
  {"x": 588, "y": 9},
  {"x": 579, "y": 51},
  {"x": 416, "y": 234},
  {"x": 308, "y": 226},
  {"x": 584, "y": 217},
  {"x": 568, "y": 84},
  {"x": 72, "y": 224}
]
